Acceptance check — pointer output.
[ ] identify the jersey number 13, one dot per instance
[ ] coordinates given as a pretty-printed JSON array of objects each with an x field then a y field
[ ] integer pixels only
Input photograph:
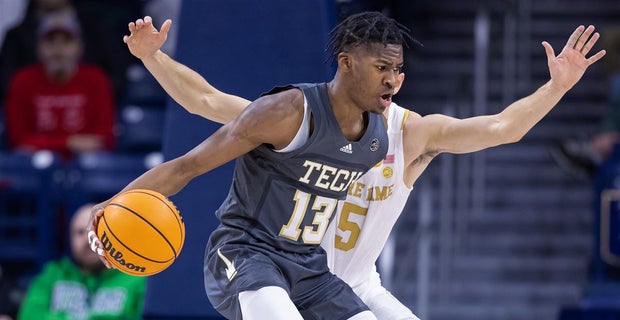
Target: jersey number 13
[{"x": 321, "y": 207}]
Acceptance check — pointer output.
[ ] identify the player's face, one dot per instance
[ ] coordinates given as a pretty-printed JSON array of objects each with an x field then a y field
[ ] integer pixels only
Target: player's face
[
  {"x": 80, "y": 248},
  {"x": 374, "y": 75}
]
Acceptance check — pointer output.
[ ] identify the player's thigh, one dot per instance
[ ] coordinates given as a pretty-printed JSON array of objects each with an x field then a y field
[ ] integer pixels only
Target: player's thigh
[
  {"x": 386, "y": 307},
  {"x": 272, "y": 301}
]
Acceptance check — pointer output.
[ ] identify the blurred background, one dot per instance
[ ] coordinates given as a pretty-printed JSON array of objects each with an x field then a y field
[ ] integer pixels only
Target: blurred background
[{"x": 523, "y": 231}]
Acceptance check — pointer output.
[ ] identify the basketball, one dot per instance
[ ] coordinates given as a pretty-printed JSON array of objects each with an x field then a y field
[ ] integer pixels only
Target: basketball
[{"x": 141, "y": 231}]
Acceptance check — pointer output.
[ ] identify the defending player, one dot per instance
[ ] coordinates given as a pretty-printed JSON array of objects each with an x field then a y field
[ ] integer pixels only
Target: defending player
[{"x": 380, "y": 195}]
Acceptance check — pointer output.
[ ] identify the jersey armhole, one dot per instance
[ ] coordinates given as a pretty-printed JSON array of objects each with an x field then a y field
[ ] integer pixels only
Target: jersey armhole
[{"x": 302, "y": 134}]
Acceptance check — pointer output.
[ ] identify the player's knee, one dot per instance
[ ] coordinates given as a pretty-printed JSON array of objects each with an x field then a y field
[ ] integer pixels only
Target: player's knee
[{"x": 271, "y": 300}]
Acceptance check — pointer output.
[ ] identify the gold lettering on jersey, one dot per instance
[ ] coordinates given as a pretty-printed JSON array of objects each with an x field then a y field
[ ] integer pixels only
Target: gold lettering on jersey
[
  {"x": 328, "y": 177},
  {"x": 356, "y": 189},
  {"x": 370, "y": 193},
  {"x": 378, "y": 193}
]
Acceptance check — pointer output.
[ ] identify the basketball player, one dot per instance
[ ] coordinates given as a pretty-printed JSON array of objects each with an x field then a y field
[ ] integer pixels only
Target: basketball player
[
  {"x": 379, "y": 196},
  {"x": 265, "y": 256}
]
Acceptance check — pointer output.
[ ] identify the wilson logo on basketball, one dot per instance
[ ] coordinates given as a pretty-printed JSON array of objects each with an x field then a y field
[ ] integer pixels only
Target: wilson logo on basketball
[{"x": 117, "y": 255}]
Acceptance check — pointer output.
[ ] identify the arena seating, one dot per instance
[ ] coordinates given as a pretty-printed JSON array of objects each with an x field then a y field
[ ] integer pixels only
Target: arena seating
[
  {"x": 142, "y": 88},
  {"x": 28, "y": 207},
  {"x": 95, "y": 177},
  {"x": 141, "y": 128}
]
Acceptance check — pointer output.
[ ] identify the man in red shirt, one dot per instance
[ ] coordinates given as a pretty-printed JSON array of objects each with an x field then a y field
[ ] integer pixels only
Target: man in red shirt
[{"x": 60, "y": 104}]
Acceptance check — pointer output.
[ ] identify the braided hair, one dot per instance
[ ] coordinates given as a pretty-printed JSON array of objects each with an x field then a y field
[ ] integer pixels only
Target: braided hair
[{"x": 367, "y": 28}]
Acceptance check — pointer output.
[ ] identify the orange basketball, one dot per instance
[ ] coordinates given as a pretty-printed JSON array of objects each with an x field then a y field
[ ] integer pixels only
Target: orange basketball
[{"x": 141, "y": 231}]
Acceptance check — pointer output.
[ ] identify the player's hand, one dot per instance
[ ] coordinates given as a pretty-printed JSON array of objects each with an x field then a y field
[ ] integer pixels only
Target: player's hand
[
  {"x": 568, "y": 67},
  {"x": 144, "y": 39},
  {"x": 95, "y": 244}
]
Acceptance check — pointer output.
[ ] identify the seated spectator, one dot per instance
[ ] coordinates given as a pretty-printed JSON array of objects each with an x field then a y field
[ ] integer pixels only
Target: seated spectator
[
  {"x": 19, "y": 45},
  {"x": 103, "y": 24},
  {"x": 81, "y": 287},
  {"x": 60, "y": 104}
]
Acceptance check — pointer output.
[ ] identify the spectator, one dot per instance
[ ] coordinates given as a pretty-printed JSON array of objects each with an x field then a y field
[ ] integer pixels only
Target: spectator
[
  {"x": 60, "y": 104},
  {"x": 103, "y": 25},
  {"x": 19, "y": 45},
  {"x": 81, "y": 287}
]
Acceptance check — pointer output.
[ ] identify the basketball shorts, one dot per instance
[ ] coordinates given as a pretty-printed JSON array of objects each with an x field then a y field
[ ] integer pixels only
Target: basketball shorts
[{"x": 236, "y": 262}]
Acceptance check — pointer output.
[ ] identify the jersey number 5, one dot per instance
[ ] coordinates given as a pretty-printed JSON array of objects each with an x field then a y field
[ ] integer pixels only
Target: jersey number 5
[
  {"x": 323, "y": 209},
  {"x": 347, "y": 224}
]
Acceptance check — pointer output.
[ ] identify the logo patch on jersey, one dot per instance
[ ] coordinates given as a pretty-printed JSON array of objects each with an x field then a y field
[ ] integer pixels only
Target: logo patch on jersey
[
  {"x": 374, "y": 145},
  {"x": 231, "y": 272},
  {"x": 388, "y": 172},
  {"x": 389, "y": 158},
  {"x": 347, "y": 149}
]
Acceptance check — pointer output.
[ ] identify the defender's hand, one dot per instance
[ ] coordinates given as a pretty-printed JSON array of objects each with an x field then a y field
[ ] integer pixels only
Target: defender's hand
[
  {"x": 567, "y": 68},
  {"x": 144, "y": 39}
]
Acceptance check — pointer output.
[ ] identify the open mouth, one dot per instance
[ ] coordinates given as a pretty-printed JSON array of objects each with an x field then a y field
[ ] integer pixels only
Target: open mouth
[{"x": 386, "y": 99}]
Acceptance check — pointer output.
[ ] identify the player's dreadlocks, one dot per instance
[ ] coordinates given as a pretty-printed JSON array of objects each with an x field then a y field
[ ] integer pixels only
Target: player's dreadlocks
[{"x": 367, "y": 28}]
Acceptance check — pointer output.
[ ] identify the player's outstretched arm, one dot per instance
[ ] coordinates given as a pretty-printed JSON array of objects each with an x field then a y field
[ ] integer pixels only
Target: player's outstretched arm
[
  {"x": 446, "y": 134},
  {"x": 184, "y": 85},
  {"x": 273, "y": 119}
]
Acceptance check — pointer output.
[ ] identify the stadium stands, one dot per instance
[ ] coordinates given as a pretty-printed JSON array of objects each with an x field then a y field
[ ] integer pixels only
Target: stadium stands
[{"x": 28, "y": 207}]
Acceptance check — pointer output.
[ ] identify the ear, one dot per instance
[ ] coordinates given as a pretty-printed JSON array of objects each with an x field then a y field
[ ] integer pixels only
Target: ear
[
  {"x": 344, "y": 61},
  {"x": 399, "y": 82}
]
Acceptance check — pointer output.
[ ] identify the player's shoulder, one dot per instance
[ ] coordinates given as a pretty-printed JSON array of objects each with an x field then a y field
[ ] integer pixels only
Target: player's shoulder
[
  {"x": 421, "y": 129},
  {"x": 289, "y": 99},
  {"x": 413, "y": 123},
  {"x": 409, "y": 117},
  {"x": 285, "y": 93}
]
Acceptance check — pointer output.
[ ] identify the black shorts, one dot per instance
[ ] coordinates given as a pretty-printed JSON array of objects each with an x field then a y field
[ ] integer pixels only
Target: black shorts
[{"x": 317, "y": 293}]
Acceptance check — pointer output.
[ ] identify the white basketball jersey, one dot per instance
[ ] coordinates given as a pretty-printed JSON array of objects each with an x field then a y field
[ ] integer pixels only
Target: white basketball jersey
[{"x": 365, "y": 219}]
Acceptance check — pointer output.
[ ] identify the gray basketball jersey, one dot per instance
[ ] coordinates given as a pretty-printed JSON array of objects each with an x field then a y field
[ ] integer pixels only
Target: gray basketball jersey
[{"x": 286, "y": 199}]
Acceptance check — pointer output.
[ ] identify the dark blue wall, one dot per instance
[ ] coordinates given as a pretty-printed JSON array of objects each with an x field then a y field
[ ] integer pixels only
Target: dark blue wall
[{"x": 243, "y": 47}]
